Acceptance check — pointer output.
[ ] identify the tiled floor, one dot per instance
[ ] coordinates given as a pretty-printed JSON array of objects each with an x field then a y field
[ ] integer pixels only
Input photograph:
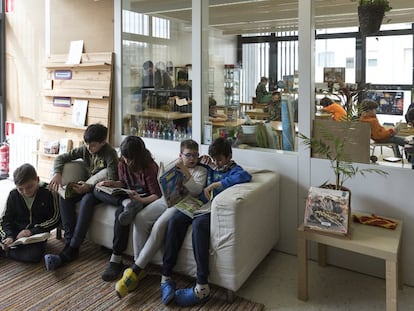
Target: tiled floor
[{"x": 274, "y": 283}]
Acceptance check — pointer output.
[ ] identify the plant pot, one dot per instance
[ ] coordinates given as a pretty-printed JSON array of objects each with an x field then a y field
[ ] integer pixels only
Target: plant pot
[{"x": 370, "y": 18}]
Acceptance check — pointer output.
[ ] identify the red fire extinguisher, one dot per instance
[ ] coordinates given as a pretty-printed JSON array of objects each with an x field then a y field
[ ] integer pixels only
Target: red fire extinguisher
[{"x": 4, "y": 160}]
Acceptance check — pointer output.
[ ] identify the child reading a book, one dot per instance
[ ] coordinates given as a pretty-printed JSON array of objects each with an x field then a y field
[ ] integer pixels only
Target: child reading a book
[
  {"x": 97, "y": 155},
  {"x": 144, "y": 249},
  {"x": 136, "y": 170},
  {"x": 222, "y": 173},
  {"x": 379, "y": 133},
  {"x": 30, "y": 209}
]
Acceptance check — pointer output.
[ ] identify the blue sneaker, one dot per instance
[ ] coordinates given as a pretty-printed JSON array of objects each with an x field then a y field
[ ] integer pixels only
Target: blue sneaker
[
  {"x": 167, "y": 291},
  {"x": 52, "y": 262},
  {"x": 187, "y": 298}
]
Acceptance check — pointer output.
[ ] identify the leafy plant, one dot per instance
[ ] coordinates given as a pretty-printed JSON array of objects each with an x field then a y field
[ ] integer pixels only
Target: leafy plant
[
  {"x": 333, "y": 147},
  {"x": 383, "y": 3}
]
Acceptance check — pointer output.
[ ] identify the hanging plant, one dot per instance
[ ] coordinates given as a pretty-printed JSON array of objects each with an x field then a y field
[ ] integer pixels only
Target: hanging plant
[{"x": 371, "y": 14}]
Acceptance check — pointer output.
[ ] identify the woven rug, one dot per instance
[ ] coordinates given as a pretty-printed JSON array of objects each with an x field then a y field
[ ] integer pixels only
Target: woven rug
[{"x": 78, "y": 286}]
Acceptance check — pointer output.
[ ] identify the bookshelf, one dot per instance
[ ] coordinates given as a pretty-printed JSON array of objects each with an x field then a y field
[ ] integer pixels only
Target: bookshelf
[{"x": 91, "y": 80}]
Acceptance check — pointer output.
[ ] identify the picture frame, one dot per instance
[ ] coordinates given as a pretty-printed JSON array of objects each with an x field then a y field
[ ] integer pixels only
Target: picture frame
[{"x": 333, "y": 74}]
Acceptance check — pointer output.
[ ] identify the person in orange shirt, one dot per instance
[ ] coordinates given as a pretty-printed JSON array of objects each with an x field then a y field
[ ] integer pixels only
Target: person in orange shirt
[
  {"x": 379, "y": 133},
  {"x": 337, "y": 111}
]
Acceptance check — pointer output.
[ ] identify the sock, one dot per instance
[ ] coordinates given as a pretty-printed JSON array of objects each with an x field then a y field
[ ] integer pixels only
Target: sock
[
  {"x": 202, "y": 290},
  {"x": 116, "y": 258},
  {"x": 136, "y": 269},
  {"x": 165, "y": 278}
]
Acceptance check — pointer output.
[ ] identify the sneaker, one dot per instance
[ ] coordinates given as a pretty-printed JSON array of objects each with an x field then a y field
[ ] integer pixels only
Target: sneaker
[
  {"x": 128, "y": 282},
  {"x": 112, "y": 272},
  {"x": 129, "y": 212},
  {"x": 52, "y": 262},
  {"x": 187, "y": 298},
  {"x": 167, "y": 291}
]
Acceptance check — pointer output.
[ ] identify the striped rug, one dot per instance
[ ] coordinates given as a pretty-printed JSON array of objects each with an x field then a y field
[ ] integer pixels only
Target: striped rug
[{"x": 78, "y": 286}]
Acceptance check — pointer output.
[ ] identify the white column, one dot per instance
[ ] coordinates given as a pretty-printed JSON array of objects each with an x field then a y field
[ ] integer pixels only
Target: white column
[
  {"x": 306, "y": 95},
  {"x": 200, "y": 17}
]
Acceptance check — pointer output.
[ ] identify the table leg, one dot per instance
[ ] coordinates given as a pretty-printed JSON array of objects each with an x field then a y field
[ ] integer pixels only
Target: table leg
[
  {"x": 302, "y": 268},
  {"x": 322, "y": 255},
  {"x": 391, "y": 270}
]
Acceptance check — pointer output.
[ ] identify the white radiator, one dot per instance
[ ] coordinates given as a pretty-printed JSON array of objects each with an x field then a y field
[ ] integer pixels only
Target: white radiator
[{"x": 23, "y": 140}]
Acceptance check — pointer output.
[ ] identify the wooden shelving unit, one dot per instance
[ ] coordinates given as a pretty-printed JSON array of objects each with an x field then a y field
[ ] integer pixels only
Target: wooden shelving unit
[{"x": 92, "y": 80}]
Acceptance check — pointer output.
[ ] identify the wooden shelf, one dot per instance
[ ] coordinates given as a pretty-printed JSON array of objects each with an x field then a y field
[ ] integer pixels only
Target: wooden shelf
[
  {"x": 81, "y": 65},
  {"x": 61, "y": 125},
  {"x": 92, "y": 80}
]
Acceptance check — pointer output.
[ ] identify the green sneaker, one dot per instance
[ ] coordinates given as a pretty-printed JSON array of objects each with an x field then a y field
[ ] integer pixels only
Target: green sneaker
[{"x": 128, "y": 282}]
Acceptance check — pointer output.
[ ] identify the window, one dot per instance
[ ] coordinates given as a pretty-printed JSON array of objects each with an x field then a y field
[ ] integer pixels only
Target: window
[{"x": 150, "y": 58}]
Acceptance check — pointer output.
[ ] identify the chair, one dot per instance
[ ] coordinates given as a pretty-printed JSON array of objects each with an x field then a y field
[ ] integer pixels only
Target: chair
[{"x": 378, "y": 144}]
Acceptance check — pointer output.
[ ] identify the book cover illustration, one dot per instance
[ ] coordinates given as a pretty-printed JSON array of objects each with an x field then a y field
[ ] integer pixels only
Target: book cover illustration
[
  {"x": 192, "y": 206},
  {"x": 172, "y": 184},
  {"x": 327, "y": 210}
]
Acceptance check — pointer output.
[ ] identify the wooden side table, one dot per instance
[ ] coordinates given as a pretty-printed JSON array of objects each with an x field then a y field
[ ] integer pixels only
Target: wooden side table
[{"x": 368, "y": 240}]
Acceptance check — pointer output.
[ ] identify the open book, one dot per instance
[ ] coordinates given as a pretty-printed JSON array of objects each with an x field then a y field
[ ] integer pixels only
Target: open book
[
  {"x": 119, "y": 191},
  {"x": 35, "y": 238},
  {"x": 172, "y": 186},
  {"x": 67, "y": 191}
]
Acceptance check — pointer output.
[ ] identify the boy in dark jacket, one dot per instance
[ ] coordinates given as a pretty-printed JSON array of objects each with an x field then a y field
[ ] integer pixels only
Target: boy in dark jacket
[
  {"x": 222, "y": 173},
  {"x": 31, "y": 209}
]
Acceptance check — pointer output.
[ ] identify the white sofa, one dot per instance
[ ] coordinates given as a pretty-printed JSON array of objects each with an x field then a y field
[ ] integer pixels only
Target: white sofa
[{"x": 244, "y": 228}]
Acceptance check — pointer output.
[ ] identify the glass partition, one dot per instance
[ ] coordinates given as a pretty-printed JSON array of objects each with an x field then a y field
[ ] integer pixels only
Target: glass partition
[{"x": 156, "y": 69}]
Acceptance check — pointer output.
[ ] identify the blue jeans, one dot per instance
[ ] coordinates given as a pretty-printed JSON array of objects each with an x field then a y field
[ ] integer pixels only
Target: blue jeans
[
  {"x": 76, "y": 226},
  {"x": 174, "y": 238},
  {"x": 121, "y": 233}
]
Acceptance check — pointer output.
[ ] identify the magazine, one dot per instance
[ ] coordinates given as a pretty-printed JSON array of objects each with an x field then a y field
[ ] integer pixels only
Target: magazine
[
  {"x": 119, "y": 191},
  {"x": 172, "y": 183},
  {"x": 172, "y": 186},
  {"x": 35, "y": 238},
  {"x": 327, "y": 210}
]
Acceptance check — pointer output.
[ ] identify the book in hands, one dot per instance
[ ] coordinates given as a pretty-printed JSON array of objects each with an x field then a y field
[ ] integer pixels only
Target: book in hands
[
  {"x": 116, "y": 191},
  {"x": 193, "y": 207},
  {"x": 35, "y": 238},
  {"x": 172, "y": 186},
  {"x": 171, "y": 182},
  {"x": 67, "y": 191}
]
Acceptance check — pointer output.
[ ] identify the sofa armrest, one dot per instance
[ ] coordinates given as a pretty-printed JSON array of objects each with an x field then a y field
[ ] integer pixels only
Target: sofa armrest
[{"x": 244, "y": 227}]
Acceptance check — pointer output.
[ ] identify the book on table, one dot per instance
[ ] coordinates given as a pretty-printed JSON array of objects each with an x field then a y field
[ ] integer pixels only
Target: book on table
[
  {"x": 35, "y": 238},
  {"x": 327, "y": 210},
  {"x": 172, "y": 181}
]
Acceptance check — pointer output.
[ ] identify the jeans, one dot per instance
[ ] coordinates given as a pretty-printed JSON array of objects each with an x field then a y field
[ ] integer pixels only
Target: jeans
[{"x": 76, "y": 226}]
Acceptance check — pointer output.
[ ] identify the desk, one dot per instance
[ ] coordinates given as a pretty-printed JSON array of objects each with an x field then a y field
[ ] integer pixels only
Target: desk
[
  {"x": 368, "y": 240},
  {"x": 228, "y": 123},
  {"x": 257, "y": 113},
  {"x": 162, "y": 114}
]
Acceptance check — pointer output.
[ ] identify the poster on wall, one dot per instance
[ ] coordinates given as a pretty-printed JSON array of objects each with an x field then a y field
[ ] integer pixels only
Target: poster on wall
[{"x": 389, "y": 102}]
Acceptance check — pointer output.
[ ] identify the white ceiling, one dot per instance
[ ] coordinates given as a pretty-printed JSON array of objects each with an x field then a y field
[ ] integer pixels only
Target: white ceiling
[{"x": 254, "y": 16}]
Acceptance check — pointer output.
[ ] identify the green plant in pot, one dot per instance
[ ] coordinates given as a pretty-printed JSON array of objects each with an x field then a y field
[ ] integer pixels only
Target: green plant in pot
[
  {"x": 371, "y": 14},
  {"x": 333, "y": 148}
]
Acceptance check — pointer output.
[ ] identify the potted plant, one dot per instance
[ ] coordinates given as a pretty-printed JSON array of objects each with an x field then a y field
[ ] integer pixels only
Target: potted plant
[
  {"x": 333, "y": 147},
  {"x": 371, "y": 14},
  {"x": 328, "y": 207}
]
